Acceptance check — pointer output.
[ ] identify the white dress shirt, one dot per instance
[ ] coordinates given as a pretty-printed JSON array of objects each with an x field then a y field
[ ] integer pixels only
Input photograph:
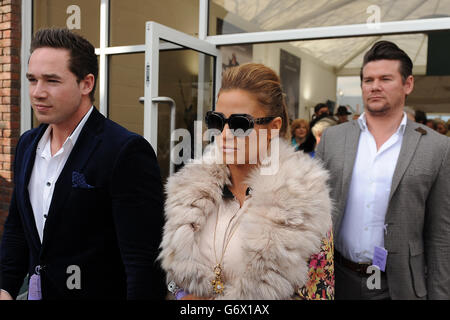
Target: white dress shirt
[
  {"x": 363, "y": 224},
  {"x": 46, "y": 171}
]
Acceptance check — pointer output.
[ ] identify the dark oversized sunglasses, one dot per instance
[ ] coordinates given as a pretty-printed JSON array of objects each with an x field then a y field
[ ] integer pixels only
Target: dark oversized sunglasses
[{"x": 236, "y": 121}]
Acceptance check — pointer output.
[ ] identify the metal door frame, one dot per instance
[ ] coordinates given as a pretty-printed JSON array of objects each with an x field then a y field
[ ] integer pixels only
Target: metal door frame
[{"x": 158, "y": 37}]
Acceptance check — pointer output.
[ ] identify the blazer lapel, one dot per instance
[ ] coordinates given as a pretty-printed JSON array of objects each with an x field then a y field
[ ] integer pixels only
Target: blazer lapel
[
  {"x": 409, "y": 144},
  {"x": 23, "y": 179},
  {"x": 84, "y": 147},
  {"x": 350, "y": 150}
]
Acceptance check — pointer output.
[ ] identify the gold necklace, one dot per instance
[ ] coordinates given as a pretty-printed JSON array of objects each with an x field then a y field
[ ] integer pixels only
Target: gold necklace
[{"x": 217, "y": 283}]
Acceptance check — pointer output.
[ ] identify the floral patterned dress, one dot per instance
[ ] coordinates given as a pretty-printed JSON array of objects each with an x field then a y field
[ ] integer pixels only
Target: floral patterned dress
[{"x": 320, "y": 285}]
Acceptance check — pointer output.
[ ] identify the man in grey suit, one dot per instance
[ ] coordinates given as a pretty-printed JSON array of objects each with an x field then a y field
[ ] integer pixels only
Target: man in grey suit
[{"x": 390, "y": 180}]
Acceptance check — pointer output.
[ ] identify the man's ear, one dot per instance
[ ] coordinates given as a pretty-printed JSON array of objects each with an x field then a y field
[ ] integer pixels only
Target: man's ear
[
  {"x": 87, "y": 84},
  {"x": 409, "y": 85}
]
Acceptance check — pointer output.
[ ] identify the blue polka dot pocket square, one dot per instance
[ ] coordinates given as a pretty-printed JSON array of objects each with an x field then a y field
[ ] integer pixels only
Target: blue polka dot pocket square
[{"x": 79, "y": 181}]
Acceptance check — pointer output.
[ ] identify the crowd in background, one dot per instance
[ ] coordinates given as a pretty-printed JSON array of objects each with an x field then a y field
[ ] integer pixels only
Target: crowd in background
[{"x": 305, "y": 135}]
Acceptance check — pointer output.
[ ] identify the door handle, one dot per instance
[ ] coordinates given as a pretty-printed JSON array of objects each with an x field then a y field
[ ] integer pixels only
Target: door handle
[{"x": 173, "y": 109}]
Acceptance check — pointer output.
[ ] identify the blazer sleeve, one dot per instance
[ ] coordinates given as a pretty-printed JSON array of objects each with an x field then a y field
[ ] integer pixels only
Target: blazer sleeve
[
  {"x": 437, "y": 232},
  {"x": 14, "y": 252},
  {"x": 137, "y": 206}
]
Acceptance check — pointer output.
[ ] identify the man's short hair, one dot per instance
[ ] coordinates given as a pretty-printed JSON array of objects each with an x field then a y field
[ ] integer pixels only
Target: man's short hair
[
  {"x": 319, "y": 106},
  {"x": 83, "y": 60},
  {"x": 421, "y": 116},
  {"x": 386, "y": 50}
]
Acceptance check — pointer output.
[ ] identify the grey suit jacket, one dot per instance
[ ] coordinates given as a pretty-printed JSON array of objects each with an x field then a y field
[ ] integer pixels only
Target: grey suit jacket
[{"x": 418, "y": 214}]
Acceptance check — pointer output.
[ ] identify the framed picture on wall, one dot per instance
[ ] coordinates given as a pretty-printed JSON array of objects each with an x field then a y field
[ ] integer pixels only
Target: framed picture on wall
[
  {"x": 233, "y": 55},
  {"x": 290, "y": 80}
]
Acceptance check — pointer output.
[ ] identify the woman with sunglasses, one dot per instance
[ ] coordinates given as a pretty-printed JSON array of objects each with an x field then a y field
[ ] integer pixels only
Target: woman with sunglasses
[{"x": 235, "y": 230}]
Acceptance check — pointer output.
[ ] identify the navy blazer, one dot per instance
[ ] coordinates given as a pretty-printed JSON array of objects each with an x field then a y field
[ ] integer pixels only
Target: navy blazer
[{"x": 109, "y": 225}]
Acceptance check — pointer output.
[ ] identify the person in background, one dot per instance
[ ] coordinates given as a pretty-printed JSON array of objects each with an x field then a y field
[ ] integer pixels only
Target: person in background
[
  {"x": 342, "y": 114},
  {"x": 356, "y": 116},
  {"x": 431, "y": 123},
  {"x": 391, "y": 191},
  {"x": 441, "y": 126},
  {"x": 321, "y": 110},
  {"x": 319, "y": 128},
  {"x": 234, "y": 231},
  {"x": 299, "y": 132},
  {"x": 420, "y": 117}
]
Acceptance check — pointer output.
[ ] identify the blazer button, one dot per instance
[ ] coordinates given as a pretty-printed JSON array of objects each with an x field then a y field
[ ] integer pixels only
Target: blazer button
[{"x": 48, "y": 184}]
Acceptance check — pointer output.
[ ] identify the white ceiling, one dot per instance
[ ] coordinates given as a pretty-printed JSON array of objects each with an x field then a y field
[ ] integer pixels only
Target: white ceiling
[
  {"x": 294, "y": 14},
  {"x": 345, "y": 55}
]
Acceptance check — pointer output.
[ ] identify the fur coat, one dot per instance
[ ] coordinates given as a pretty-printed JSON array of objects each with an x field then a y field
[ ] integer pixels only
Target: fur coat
[{"x": 289, "y": 215}]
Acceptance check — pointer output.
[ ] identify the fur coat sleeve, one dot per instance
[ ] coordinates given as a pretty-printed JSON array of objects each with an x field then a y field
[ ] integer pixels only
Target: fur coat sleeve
[{"x": 289, "y": 214}]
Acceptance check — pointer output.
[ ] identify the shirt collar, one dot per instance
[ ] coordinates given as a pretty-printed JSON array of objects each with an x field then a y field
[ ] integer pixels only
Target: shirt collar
[
  {"x": 42, "y": 148},
  {"x": 362, "y": 122},
  {"x": 74, "y": 136},
  {"x": 44, "y": 145}
]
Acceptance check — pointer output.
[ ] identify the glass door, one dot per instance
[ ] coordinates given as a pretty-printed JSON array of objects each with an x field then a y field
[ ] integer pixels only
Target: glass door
[{"x": 182, "y": 77}]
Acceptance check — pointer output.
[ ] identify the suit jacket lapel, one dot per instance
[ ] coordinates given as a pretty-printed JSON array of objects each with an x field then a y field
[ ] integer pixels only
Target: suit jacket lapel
[
  {"x": 23, "y": 180},
  {"x": 350, "y": 150},
  {"x": 409, "y": 144},
  {"x": 84, "y": 146}
]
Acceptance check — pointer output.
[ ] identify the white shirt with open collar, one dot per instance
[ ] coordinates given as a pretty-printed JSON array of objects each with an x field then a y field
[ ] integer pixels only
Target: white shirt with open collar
[
  {"x": 46, "y": 170},
  {"x": 363, "y": 223}
]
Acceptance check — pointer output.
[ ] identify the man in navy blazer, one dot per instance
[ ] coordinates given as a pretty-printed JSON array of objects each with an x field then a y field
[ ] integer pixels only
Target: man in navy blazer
[{"x": 85, "y": 219}]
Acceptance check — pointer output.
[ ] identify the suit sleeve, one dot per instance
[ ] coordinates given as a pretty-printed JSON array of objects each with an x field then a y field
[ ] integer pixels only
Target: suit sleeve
[
  {"x": 137, "y": 201},
  {"x": 14, "y": 253},
  {"x": 437, "y": 233}
]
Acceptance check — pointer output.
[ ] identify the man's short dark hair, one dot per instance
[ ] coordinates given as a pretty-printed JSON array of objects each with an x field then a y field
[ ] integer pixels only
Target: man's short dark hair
[
  {"x": 386, "y": 50},
  {"x": 420, "y": 117},
  {"x": 83, "y": 60},
  {"x": 319, "y": 106}
]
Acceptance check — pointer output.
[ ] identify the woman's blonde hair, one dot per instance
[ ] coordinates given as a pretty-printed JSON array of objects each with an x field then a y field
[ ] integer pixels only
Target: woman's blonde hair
[
  {"x": 297, "y": 123},
  {"x": 265, "y": 84},
  {"x": 321, "y": 125}
]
